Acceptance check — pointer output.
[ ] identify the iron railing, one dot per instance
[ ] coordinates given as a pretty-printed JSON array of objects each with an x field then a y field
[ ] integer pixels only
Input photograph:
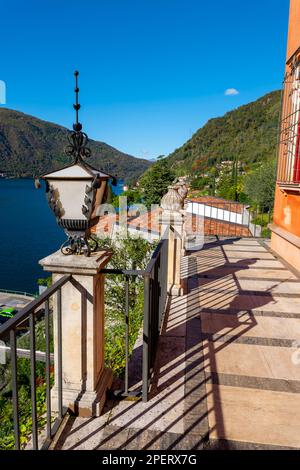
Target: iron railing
[
  {"x": 225, "y": 219},
  {"x": 155, "y": 278},
  {"x": 10, "y": 331},
  {"x": 288, "y": 169},
  {"x": 155, "y": 298}
]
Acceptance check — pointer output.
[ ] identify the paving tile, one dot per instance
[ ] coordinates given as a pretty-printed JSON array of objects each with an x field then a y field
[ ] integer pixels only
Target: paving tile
[
  {"x": 264, "y": 327},
  {"x": 227, "y": 444},
  {"x": 263, "y": 274},
  {"x": 235, "y": 255},
  {"x": 260, "y": 383},
  {"x": 232, "y": 283},
  {"x": 160, "y": 440},
  {"x": 236, "y": 247},
  {"x": 169, "y": 372},
  {"x": 113, "y": 438},
  {"x": 176, "y": 325},
  {"x": 148, "y": 440},
  {"x": 271, "y": 286},
  {"x": 82, "y": 433},
  {"x": 241, "y": 264},
  {"x": 251, "y": 360},
  {"x": 268, "y": 302},
  {"x": 196, "y": 415},
  {"x": 255, "y": 416},
  {"x": 235, "y": 359},
  {"x": 164, "y": 411},
  {"x": 224, "y": 375}
]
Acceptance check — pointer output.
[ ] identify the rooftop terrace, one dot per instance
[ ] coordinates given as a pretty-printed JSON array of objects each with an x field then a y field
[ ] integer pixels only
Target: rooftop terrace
[{"x": 227, "y": 373}]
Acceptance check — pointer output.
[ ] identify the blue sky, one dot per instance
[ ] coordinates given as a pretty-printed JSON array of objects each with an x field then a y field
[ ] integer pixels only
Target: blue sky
[{"x": 151, "y": 71}]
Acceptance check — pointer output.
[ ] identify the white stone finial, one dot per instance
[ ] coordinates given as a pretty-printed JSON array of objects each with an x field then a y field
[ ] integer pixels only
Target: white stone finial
[
  {"x": 182, "y": 189},
  {"x": 172, "y": 201}
]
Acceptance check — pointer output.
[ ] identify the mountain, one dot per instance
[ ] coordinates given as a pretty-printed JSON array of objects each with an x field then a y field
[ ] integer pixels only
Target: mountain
[
  {"x": 30, "y": 146},
  {"x": 248, "y": 133}
]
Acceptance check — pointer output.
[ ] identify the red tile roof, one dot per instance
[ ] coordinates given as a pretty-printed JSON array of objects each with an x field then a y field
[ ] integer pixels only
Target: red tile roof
[{"x": 151, "y": 221}]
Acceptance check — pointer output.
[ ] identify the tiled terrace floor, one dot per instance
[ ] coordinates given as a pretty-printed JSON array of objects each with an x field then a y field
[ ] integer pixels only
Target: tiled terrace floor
[{"x": 225, "y": 375}]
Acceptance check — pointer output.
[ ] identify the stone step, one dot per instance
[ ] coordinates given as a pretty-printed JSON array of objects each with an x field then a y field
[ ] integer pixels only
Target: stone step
[
  {"x": 239, "y": 264},
  {"x": 236, "y": 312},
  {"x": 246, "y": 327},
  {"x": 235, "y": 291},
  {"x": 249, "y": 416},
  {"x": 263, "y": 274},
  {"x": 258, "y": 383},
  {"x": 255, "y": 360},
  {"x": 231, "y": 248},
  {"x": 265, "y": 303},
  {"x": 232, "y": 255},
  {"x": 254, "y": 286}
]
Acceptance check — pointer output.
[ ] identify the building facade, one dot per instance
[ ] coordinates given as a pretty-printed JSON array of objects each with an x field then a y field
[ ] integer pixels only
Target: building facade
[{"x": 286, "y": 227}]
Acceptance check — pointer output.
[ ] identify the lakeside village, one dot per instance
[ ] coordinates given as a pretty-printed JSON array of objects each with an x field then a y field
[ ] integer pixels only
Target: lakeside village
[{"x": 171, "y": 322}]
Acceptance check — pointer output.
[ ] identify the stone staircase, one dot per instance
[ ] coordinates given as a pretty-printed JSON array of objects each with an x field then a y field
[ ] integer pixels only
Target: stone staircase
[{"x": 250, "y": 324}]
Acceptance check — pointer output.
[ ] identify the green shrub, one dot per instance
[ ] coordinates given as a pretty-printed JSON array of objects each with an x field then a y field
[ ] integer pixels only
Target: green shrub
[
  {"x": 131, "y": 253},
  {"x": 45, "y": 281}
]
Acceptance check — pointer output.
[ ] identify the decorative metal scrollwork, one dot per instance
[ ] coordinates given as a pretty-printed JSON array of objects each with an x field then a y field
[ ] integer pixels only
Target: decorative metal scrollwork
[
  {"x": 79, "y": 241},
  {"x": 77, "y": 148},
  {"x": 88, "y": 201},
  {"x": 53, "y": 202},
  {"x": 78, "y": 244},
  {"x": 78, "y": 140}
]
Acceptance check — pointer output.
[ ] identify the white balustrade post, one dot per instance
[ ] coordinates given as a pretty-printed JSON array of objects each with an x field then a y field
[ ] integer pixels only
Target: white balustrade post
[
  {"x": 172, "y": 221},
  {"x": 85, "y": 380}
]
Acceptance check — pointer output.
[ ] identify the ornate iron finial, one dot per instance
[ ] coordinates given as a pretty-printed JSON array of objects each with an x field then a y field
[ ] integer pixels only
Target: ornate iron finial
[
  {"x": 77, "y": 126},
  {"x": 77, "y": 139}
]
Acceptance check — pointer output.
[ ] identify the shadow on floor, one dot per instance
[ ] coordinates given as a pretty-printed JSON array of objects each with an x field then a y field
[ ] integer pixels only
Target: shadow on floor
[{"x": 176, "y": 416}]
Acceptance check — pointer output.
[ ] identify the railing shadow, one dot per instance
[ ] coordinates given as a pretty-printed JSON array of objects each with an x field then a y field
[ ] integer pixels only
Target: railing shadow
[{"x": 187, "y": 357}]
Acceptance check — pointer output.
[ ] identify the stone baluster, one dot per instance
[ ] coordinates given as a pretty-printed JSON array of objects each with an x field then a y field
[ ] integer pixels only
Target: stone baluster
[
  {"x": 85, "y": 379},
  {"x": 172, "y": 224}
]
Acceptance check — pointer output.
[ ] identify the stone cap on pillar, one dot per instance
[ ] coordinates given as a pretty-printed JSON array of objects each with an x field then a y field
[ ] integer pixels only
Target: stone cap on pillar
[
  {"x": 76, "y": 264},
  {"x": 172, "y": 201},
  {"x": 172, "y": 217}
]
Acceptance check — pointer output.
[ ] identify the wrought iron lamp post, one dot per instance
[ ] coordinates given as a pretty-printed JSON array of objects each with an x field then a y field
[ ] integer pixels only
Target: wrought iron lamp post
[{"x": 75, "y": 192}]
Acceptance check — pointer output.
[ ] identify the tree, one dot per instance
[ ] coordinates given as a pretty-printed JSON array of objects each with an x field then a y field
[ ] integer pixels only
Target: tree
[
  {"x": 260, "y": 185},
  {"x": 129, "y": 253},
  {"x": 133, "y": 196},
  {"x": 200, "y": 166},
  {"x": 154, "y": 183},
  {"x": 226, "y": 187}
]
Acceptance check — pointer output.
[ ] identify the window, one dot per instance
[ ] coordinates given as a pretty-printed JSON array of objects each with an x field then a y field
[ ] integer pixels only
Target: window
[{"x": 289, "y": 143}]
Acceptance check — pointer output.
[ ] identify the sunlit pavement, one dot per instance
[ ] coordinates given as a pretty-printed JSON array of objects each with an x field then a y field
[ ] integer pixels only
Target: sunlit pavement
[{"x": 228, "y": 368}]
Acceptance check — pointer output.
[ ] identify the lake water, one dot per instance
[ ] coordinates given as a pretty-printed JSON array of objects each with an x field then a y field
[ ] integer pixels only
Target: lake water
[{"x": 28, "y": 233}]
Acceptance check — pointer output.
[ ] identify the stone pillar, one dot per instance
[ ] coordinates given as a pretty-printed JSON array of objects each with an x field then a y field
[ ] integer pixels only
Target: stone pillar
[
  {"x": 84, "y": 377},
  {"x": 172, "y": 220}
]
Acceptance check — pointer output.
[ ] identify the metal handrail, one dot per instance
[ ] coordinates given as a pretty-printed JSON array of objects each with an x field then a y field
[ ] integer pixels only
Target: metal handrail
[
  {"x": 29, "y": 314},
  {"x": 155, "y": 300},
  {"x": 155, "y": 295},
  {"x": 155, "y": 256},
  {"x": 125, "y": 272},
  {"x": 32, "y": 306},
  {"x": 138, "y": 272}
]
